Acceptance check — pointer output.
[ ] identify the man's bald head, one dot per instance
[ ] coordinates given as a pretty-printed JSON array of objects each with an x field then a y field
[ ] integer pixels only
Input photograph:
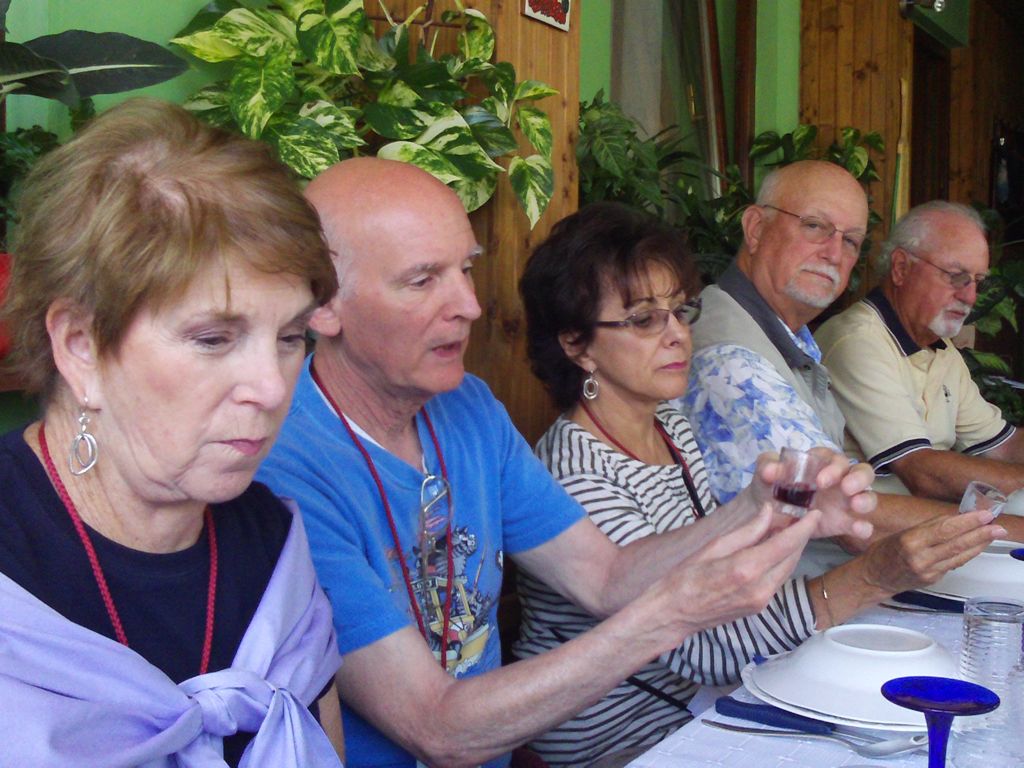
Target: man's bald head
[
  {"x": 364, "y": 197},
  {"x": 788, "y": 253}
]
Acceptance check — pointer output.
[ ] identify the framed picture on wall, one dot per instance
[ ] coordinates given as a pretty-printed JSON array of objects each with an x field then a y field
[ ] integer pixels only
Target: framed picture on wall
[{"x": 553, "y": 12}]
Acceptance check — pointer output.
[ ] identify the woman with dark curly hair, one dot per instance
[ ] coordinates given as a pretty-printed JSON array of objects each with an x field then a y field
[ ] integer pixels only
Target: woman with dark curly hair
[{"x": 610, "y": 297}]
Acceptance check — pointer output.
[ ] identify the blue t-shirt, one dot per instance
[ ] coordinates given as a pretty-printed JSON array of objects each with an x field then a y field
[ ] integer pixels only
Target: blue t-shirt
[{"x": 504, "y": 500}]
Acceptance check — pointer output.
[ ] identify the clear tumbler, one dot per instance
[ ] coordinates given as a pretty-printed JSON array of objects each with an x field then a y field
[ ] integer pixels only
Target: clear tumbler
[{"x": 992, "y": 654}]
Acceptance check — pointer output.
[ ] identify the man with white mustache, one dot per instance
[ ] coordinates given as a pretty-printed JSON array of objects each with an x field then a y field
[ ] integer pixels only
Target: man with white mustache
[
  {"x": 758, "y": 381},
  {"x": 911, "y": 406}
]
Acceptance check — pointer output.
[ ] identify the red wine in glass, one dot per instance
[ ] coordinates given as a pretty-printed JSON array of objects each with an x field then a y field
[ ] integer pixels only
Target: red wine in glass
[{"x": 796, "y": 494}]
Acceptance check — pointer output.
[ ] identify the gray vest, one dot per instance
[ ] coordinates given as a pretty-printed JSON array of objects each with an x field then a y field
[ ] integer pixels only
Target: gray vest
[{"x": 735, "y": 313}]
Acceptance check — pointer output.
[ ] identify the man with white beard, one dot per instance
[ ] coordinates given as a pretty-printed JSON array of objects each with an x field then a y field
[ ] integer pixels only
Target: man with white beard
[
  {"x": 911, "y": 407},
  {"x": 757, "y": 379}
]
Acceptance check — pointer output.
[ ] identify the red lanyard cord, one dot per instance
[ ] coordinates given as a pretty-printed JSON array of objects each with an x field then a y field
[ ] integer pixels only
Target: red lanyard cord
[
  {"x": 677, "y": 457},
  {"x": 101, "y": 579},
  {"x": 449, "y": 549}
]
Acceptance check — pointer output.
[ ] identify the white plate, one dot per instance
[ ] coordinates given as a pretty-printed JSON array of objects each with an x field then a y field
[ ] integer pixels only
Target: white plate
[
  {"x": 840, "y": 672},
  {"x": 993, "y": 572},
  {"x": 909, "y": 723}
]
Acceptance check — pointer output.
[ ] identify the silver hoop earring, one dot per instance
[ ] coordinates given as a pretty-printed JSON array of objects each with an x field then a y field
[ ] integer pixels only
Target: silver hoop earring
[
  {"x": 84, "y": 450},
  {"x": 590, "y": 386}
]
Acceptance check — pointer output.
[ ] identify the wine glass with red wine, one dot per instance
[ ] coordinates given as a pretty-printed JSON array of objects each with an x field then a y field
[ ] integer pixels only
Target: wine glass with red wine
[{"x": 798, "y": 480}]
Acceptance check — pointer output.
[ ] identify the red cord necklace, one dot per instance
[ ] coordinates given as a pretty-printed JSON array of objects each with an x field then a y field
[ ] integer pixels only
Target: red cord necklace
[
  {"x": 677, "y": 457},
  {"x": 449, "y": 550},
  {"x": 97, "y": 570}
]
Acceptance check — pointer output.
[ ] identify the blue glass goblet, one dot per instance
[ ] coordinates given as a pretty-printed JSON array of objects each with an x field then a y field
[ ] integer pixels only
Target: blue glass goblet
[
  {"x": 940, "y": 699},
  {"x": 1017, "y": 554}
]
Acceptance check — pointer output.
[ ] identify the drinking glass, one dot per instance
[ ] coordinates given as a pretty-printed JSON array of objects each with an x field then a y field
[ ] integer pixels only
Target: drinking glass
[
  {"x": 797, "y": 481},
  {"x": 979, "y": 495},
  {"x": 940, "y": 699},
  {"x": 991, "y": 655}
]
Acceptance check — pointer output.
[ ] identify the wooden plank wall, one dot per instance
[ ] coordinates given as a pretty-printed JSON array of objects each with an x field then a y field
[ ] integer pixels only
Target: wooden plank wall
[
  {"x": 497, "y": 345},
  {"x": 987, "y": 85},
  {"x": 852, "y": 56}
]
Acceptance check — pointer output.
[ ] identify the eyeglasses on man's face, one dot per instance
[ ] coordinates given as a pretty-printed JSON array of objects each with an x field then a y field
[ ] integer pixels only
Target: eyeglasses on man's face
[
  {"x": 652, "y": 322},
  {"x": 957, "y": 278},
  {"x": 819, "y": 231}
]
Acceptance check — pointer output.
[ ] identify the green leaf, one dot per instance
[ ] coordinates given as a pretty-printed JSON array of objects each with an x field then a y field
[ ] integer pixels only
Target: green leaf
[
  {"x": 803, "y": 139},
  {"x": 476, "y": 40},
  {"x": 533, "y": 181},
  {"x": 496, "y": 107},
  {"x": 531, "y": 90},
  {"x": 295, "y": 8},
  {"x": 302, "y": 145},
  {"x": 391, "y": 122},
  {"x": 208, "y": 45},
  {"x": 536, "y": 126},
  {"x": 849, "y": 136},
  {"x": 858, "y": 162},
  {"x": 398, "y": 94},
  {"x": 475, "y": 192},
  {"x": 347, "y": 16},
  {"x": 611, "y": 154},
  {"x": 207, "y": 16},
  {"x": 24, "y": 71},
  {"x": 212, "y": 105},
  {"x": 259, "y": 87},
  {"x": 340, "y": 123},
  {"x": 108, "y": 62},
  {"x": 490, "y": 132},
  {"x": 991, "y": 362},
  {"x": 764, "y": 144},
  {"x": 330, "y": 46},
  {"x": 423, "y": 157},
  {"x": 874, "y": 141},
  {"x": 450, "y": 135},
  {"x": 501, "y": 80},
  {"x": 257, "y": 32}
]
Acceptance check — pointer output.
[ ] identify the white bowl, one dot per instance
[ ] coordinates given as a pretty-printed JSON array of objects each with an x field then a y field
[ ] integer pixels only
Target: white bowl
[
  {"x": 993, "y": 572},
  {"x": 840, "y": 672}
]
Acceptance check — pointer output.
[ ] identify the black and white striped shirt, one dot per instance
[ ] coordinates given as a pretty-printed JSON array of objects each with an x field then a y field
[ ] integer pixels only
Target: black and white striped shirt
[{"x": 628, "y": 499}]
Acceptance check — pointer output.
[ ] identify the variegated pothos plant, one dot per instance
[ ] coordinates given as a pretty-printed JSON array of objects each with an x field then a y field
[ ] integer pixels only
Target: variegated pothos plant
[{"x": 312, "y": 79}]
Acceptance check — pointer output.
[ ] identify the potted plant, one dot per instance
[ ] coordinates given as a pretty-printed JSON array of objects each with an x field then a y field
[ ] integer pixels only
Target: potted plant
[{"x": 312, "y": 79}]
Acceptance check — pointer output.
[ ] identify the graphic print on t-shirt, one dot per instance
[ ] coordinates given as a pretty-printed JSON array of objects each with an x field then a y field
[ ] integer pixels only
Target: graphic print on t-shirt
[{"x": 468, "y": 630}]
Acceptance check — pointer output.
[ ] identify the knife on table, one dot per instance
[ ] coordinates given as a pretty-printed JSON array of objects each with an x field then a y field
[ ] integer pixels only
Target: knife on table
[
  {"x": 926, "y": 600},
  {"x": 766, "y": 714}
]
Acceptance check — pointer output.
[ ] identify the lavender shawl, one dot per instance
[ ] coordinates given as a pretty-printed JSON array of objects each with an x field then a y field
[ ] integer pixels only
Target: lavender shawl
[{"x": 69, "y": 696}]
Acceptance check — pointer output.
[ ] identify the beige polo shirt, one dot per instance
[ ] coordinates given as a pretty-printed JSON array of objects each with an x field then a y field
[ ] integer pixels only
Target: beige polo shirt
[{"x": 899, "y": 398}]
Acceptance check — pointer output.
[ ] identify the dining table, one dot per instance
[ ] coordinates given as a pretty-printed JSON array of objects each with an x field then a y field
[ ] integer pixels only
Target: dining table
[{"x": 698, "y": 744}]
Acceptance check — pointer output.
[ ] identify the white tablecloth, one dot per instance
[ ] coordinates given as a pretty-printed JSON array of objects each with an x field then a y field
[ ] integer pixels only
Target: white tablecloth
[{"x": 696, "y": 744}]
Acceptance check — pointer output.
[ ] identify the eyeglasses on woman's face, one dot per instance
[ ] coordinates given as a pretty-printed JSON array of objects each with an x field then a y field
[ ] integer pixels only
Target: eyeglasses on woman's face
[{"x": 652, "y": 322}]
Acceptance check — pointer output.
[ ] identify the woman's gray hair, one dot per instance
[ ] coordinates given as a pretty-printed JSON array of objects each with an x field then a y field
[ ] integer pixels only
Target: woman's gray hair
[{"x": 911, "y": 230}]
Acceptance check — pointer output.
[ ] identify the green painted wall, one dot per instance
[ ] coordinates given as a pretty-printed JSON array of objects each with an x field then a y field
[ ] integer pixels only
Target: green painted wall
[
  {"x": 777, "y": 85},
  {"x": 154, "y": 20},
  {"x": 595, "y": 18}
]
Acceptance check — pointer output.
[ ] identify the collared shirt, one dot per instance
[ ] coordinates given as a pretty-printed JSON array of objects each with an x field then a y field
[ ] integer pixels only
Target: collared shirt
[
  {"x": 739, "y": 403},
  {"x": 898, "y": 397}
]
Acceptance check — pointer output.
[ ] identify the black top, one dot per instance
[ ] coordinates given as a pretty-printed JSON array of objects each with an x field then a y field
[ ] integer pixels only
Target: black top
[{"x": 161, "y": 598}]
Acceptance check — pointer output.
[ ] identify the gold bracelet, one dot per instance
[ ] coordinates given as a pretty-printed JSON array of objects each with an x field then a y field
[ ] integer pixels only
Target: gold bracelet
[{"x": 828, "y": 608}]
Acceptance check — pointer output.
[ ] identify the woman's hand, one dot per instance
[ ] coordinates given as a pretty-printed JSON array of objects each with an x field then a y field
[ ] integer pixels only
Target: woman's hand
[
  {"x": 921, "y": 555},
  {"x": 844, "y": 493}
]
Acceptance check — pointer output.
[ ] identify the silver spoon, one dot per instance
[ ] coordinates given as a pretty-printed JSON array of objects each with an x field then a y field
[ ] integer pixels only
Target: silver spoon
[{"x": 877, "y": 749}]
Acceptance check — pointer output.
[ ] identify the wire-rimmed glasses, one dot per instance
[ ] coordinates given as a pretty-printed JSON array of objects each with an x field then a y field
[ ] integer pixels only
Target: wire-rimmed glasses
[
  {"x": 652, "y": 322},
  {"x": 435, "y": 517},
  {"x": 957, "y": 278},
  {"x": 818, "y": 231}
]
